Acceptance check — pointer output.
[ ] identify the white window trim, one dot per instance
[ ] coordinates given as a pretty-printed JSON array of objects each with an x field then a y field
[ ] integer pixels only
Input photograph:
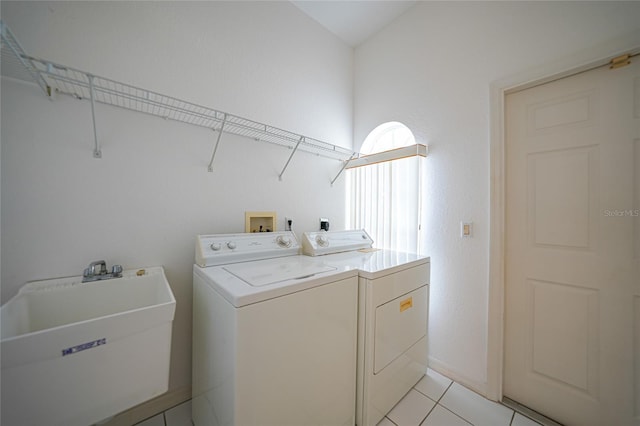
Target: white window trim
[{"x": 390, "y": 155}]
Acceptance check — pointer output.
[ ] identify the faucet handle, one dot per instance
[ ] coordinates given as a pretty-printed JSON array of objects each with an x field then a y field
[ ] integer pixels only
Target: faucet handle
[{"x": 116, "y": 270}]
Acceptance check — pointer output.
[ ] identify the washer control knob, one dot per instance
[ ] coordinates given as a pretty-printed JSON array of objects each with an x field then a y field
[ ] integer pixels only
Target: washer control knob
[
  {"x": 231, "y": 245},
  {"x": 283, "y": 241},
  {"x": 216, "y": 246},
  {"x": 322, "y": 240},
  {"x": 364, "y": 237}
]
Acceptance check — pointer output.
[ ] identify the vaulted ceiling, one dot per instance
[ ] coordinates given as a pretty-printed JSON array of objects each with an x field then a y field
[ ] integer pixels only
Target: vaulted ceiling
[{"x": 354, "y": 21}]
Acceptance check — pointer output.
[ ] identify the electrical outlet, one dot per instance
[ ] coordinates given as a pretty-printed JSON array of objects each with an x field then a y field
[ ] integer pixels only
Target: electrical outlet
[
  {"x": 287, "y": 223},
  {"x": 466, "y": 229},
  {"x": 324, "y": 224}
]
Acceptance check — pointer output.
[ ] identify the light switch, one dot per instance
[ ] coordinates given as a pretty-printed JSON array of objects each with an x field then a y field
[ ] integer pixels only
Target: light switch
[{"x": 466, "y": 229}]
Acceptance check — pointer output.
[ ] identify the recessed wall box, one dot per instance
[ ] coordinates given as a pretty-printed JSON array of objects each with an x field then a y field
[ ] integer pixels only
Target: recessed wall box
[{"x": 259, "y": 221}]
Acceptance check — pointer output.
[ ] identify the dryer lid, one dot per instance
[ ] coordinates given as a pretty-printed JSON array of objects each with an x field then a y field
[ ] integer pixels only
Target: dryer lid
[{"x": 272, "y": 271}]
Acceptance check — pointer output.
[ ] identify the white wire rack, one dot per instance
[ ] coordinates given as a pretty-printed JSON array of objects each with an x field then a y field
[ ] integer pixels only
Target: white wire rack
[
  {"x": 14, "y": 62},
  {"x": 56, "y": 78}
]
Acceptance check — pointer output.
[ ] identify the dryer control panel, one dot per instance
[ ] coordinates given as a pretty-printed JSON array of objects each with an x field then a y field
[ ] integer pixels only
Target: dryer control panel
[
  {"x": 325, "y": 242},
  {"x": 218, "y": 249}
]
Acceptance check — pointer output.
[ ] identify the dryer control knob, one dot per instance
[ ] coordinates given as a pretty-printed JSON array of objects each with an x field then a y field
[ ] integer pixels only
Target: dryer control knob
[
  {"x": 216, "y": 246},
  {"x": 283, "y": 241},
  {"x": 231, "y": 245},
  {"x": 322, "y": 240}
]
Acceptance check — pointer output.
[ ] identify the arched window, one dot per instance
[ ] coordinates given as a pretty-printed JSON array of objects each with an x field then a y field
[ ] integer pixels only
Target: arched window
[
  {"x": 384, "y": 198},
  {"x": 387, "y": 136}
]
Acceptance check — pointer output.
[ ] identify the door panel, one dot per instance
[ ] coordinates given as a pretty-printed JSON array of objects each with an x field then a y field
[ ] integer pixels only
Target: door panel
[
  {"x": 562, "y": 189},
  {"x": 564, "y": 327},
  {"x": 575, "y": 110},
  {"x": 572, "y": 292}
]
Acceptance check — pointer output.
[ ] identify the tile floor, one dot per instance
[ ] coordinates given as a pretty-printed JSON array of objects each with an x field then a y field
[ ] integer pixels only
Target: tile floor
[
  {"x": 437, "y": 401},
  {"x": 434, "y": 401},
  {"x": 177, "y": 416}
]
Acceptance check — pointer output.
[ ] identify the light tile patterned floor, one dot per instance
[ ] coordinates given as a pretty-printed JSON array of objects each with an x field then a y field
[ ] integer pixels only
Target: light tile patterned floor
[
  {"x": 438, "y": 401},
  {"x": 176, "y": 416},
  {"x": 434, "y": 401}
]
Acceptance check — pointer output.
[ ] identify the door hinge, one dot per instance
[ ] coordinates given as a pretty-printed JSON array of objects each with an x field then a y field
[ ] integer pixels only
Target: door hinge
[{"x": 620, "y": 61}]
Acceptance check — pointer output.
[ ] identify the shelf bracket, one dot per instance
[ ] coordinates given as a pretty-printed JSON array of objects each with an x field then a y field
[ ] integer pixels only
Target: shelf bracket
[
  {"x": 215, "y": 148},
  {"x": 9, "y": 40},
  {"x": 97, "y": 153},
  {"x": 290, "y": 157},
  {"x": 344, "y": 165}
]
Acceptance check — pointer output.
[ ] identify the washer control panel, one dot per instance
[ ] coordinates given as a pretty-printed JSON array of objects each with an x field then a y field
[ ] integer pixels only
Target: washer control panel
[
  {"x": 218, "y": 249},
  {"x": 328, "y": 242}
]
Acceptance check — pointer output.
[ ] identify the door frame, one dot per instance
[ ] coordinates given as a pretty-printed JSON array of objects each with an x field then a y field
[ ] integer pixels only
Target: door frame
[{"x": 581, "y": 61}]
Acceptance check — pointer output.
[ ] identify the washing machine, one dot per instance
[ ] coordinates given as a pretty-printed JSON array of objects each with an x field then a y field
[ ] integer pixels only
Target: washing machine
[
  {"x": 393, "y": 300},
  {"x": 274, "y": 334}
]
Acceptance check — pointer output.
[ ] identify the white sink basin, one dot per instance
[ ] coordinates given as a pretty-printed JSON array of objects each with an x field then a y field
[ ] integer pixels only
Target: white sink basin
[{"x": 76, "y": 353}]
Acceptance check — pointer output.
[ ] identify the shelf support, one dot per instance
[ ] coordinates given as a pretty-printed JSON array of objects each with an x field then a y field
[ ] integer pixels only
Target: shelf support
[
  {"x": 344, "y": 166},
  {"x": 9, "y": 40},
  {"x": 97, "y": 153},
  {"x": 215, "y": 148},
  {"x": 290, "y": 157}
]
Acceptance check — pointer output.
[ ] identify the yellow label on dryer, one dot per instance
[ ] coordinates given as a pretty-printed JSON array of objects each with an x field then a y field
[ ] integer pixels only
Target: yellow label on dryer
[{"x": 406, "y": 304}]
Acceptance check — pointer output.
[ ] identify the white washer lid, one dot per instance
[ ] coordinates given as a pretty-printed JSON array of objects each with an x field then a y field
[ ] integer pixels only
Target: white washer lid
[{"x": 266, "y": 272}]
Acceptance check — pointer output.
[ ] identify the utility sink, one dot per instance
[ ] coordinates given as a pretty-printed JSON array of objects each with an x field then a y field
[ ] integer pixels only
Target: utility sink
[{"x": 77, "y": 353}]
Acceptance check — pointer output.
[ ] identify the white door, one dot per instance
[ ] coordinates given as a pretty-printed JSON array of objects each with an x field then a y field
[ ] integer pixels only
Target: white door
[{"x": 572, "y": 296}]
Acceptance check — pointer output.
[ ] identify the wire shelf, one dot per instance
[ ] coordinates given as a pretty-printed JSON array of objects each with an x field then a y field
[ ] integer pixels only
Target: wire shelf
[
  {"x": 14, "y": 62},
  {"x": 56, "y": 78}
]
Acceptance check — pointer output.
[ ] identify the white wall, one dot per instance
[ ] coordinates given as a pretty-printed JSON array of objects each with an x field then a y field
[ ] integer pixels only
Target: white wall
[
  {"x": 144, "y": 202},
  {"x": 432, "y": 69}
]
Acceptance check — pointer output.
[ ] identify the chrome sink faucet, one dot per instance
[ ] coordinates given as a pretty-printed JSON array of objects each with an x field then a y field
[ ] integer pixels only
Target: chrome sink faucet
[{"x": 98, "y": 271}]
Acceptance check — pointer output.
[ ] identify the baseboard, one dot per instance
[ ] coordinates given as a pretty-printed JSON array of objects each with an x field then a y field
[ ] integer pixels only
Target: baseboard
[
  {"x": 151, "y": 408},
  {"x": 447, "y": 371}
]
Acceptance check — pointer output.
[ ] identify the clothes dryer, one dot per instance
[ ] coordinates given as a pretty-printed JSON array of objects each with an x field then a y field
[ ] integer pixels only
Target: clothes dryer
[
  {"x": 274, "y": 334},
  {"x": 393, "y": 300}
]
